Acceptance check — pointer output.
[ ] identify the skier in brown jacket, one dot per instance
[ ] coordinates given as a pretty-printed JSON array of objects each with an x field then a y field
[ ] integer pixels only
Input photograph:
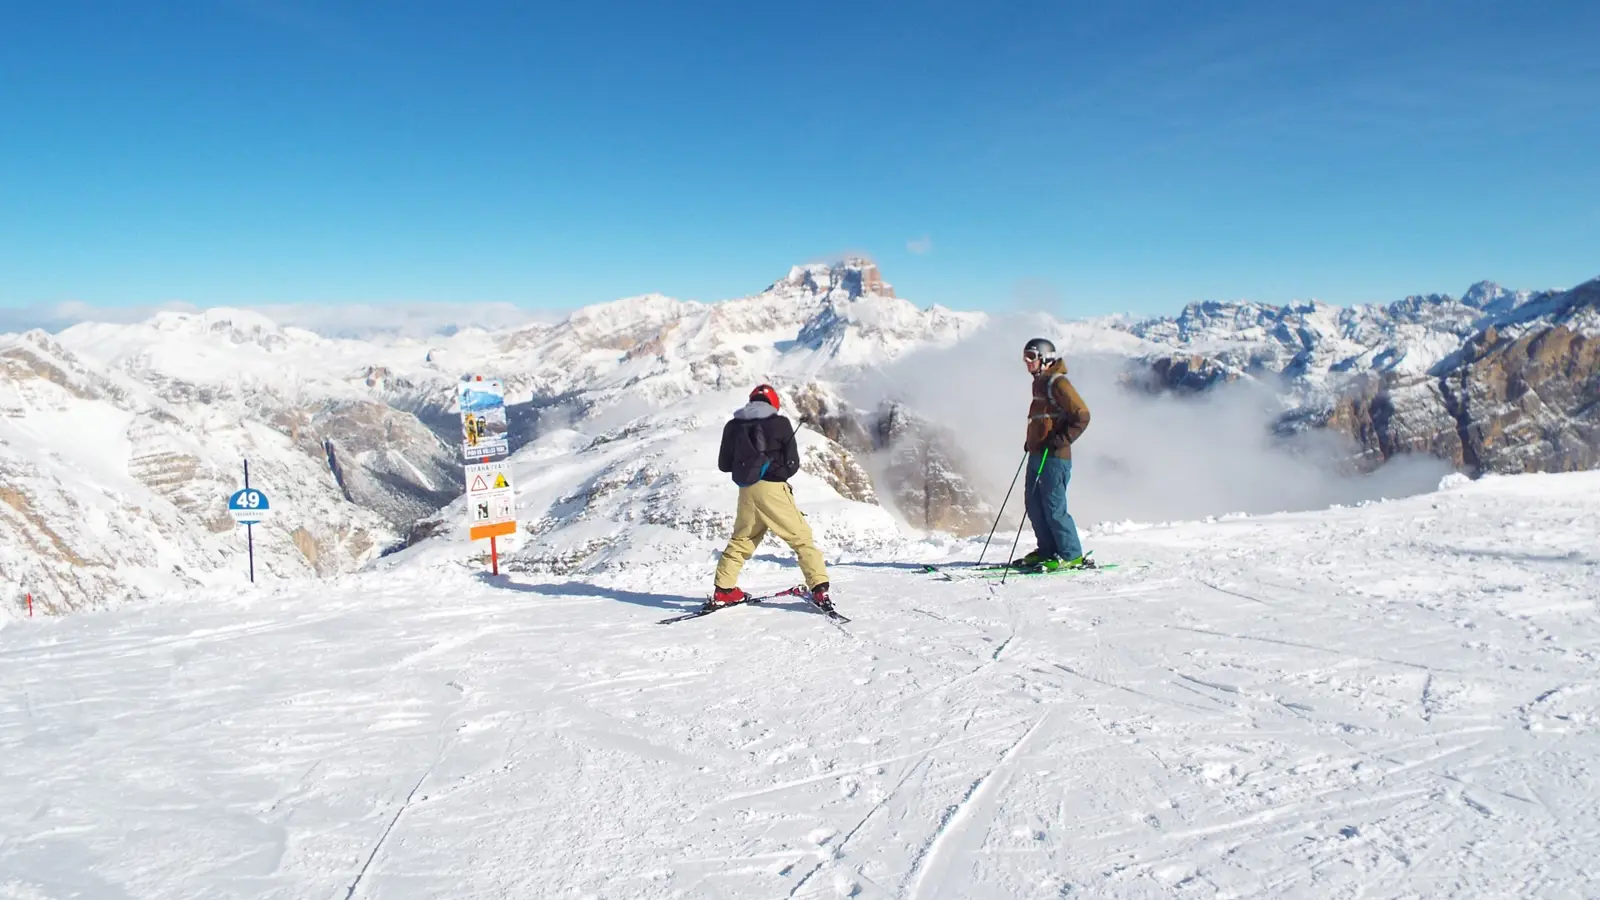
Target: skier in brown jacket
[{"x": 1056, "y": 417}]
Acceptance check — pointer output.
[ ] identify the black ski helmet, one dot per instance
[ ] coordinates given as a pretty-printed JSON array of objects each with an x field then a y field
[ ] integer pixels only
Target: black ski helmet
[{"x": 1045, "y": 350}]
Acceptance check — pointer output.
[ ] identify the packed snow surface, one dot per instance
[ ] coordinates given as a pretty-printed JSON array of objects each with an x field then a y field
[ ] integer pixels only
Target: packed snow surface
[{"x": 1393, "y": 700}]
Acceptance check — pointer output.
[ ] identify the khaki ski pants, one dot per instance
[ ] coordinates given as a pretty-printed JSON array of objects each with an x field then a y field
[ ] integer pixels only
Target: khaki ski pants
[{"x": 769, "y": 506}]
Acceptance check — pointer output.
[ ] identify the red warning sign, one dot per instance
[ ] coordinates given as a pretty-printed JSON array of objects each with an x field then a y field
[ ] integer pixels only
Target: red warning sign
[{"x": 478, "y": 484}]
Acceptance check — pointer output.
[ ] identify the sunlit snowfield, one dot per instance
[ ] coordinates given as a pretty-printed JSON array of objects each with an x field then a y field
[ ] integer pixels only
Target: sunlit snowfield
[{"x": 1396, "y": 700}]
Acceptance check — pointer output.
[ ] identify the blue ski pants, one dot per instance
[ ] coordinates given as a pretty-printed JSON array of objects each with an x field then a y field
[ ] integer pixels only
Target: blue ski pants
[{"x": 1046, "y": 499}]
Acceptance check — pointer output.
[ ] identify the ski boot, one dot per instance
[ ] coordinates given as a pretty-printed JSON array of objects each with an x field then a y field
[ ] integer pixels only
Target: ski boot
[
  {"x": 726, "y": 597},
  {"x": 1056, "y": 563},
  {"x": 1030, "y": 561},
  {"x": 1044, "y": 562},
  {"x": 819, "y": 598},
  {"x": 1082, "y": 562},
  {"x": 1053, "y": 563}
]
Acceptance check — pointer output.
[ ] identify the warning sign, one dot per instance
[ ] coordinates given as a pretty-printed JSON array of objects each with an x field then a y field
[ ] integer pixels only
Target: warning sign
[{"x": 491, "y": 500}]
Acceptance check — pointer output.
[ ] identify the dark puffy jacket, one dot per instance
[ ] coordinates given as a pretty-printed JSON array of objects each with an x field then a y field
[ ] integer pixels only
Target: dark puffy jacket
[{"x": 758, "y": 445}]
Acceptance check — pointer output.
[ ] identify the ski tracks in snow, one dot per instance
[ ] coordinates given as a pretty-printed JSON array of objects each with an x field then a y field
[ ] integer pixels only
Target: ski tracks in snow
[
  {"x": 1293, "y": 708},
  {"x": 950, "y": 842}
]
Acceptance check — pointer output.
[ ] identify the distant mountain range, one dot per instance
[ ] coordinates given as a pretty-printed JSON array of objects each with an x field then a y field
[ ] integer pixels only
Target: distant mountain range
[
  {"x": 1496, "y": 381},
  {"x": 120, "y": 443}
]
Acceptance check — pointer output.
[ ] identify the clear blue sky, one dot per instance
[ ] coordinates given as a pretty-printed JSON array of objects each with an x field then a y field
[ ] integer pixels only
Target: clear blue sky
[{"x": 1052, "y": 154}]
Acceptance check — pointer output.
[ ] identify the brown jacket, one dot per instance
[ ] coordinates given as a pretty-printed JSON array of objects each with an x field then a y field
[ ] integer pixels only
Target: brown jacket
[{"x": 1056, "y": 409}]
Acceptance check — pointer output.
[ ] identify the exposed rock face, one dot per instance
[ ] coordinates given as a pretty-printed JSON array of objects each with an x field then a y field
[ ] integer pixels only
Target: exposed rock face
[
  {"x": 838, "y": 467},
  {"x": 918, "y": 467},
  {"x": 1529, "y": 403},
  {"x": 1495, "y": 381},
  {"x": 849, "y": 436},
  {"x": 164, "y": 465},
  {"x": 307, "y": 545},
  {"x": 1387, "y": 415},
  {"x": 926, "y": 474},
  {"x": 384, "y": 459},
  {"x": 855, "y": 275},
  {"x": 44, "y": 539},
  {"x": 1188, "y": 374},
  {"x": 818, "y": 408},
  {"x": 1521, "y": 394}
]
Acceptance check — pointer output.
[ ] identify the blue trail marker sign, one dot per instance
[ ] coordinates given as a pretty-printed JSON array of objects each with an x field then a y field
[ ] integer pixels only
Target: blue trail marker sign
[{"x": 249, "y": 507}]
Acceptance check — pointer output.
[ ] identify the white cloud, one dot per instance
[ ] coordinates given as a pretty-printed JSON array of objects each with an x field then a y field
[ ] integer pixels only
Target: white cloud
[
  {"x": 344, "y": 320},
  {"x": 57, "y": 316},
  {"x": 360, "y": 320},
  {"x": 921, "y": 246},
  {"x": 1143, "y": 457}
]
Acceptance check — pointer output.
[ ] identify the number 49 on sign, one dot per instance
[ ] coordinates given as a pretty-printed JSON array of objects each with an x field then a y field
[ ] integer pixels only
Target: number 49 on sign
[{"x": 249, "y": 507}]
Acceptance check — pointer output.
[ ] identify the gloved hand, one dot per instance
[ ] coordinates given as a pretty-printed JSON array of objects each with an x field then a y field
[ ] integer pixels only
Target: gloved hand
[{"x": 1055, "y": 440}]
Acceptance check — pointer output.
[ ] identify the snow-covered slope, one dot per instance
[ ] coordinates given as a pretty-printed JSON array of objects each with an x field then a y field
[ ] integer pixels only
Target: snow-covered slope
[
  {"x": 110, "y": 490},
  {"x": 338, "y": 401},
  {"x": 1391, "y": 701}
]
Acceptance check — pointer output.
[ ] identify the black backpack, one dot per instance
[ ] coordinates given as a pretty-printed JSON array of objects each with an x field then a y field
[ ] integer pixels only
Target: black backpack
[{"x": 750, "y": 459}]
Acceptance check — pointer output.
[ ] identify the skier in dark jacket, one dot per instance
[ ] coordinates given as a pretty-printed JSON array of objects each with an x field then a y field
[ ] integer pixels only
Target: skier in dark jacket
[
  {"x": 760, "y": 452},
  {"x": 1056, "y": 418}
]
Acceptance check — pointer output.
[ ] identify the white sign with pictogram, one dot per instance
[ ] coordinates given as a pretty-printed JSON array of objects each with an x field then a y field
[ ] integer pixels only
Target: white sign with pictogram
[{"x": 491, "y": 500}]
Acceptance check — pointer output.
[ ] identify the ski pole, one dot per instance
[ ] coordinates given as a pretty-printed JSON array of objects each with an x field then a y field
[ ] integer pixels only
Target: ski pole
[
  {"x": 1006, "y": 572},
  {"x": 1002, "y": 508}
]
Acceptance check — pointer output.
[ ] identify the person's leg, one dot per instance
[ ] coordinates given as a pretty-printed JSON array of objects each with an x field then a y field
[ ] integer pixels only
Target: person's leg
[
  {"x": 1053, "y": 496},
  {"x": 748, "y": 531},
  {"x": 775, "y": 504},
  {"x": 1033, "y": 499}
]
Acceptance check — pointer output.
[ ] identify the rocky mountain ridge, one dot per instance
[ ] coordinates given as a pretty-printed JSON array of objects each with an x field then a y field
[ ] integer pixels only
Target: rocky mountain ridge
[
  {"x": 119, "y": 443},
  {"x": 1495, "y": 381}
]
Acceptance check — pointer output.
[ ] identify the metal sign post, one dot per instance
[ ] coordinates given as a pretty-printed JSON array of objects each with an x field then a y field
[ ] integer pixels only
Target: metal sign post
[
  {"x": 249, "y": 508},
  {"x": 250, "y": 528}
]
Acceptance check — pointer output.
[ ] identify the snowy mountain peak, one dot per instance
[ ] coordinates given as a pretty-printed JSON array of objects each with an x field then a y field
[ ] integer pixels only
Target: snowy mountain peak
[
  {"x": 846, "y": 311},
  {"x": 620, "y": 324},
  {"x": 1483, "y": 293},
  {"x": 236, "y": 326},
  {"x": 1213, "y": 320},
  {"x": 36, "y": 339},
  {"x": 855, "y": 329},
  {"x": 1482, "y": 300},
  {"x": 853, "y": 276}
]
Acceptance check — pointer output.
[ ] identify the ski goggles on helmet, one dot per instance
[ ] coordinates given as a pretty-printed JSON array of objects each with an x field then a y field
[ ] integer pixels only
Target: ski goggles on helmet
[{"x": 1032, "y": 355}]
